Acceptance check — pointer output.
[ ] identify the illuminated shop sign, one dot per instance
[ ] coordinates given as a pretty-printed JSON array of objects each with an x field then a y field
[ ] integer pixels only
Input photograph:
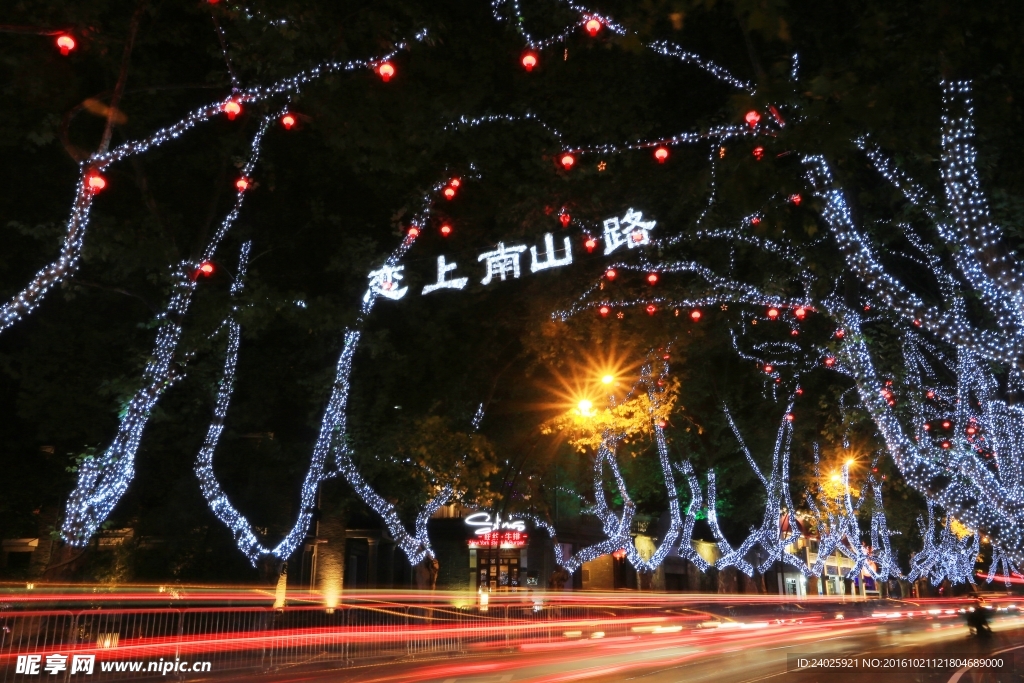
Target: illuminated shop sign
[
  {"x": 499, "y": 539},
  {"x": 494, "y": 532}
]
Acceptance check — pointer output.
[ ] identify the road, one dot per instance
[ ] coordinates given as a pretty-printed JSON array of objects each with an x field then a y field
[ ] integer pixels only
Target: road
[{"x": 762, "y": 652}]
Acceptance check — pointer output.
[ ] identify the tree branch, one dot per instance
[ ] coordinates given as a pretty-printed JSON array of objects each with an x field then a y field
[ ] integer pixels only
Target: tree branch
[{"x": 122, "y": 77}]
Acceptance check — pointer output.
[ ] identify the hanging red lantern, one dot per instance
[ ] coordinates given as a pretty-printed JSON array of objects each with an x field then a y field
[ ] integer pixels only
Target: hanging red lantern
[
  {"x": 830, "y": 361},
  {"x": 94, "y": 182},
  {"x": 661, "y": 154},
  {"x": 972, "y": 430},
  {"x": 288, "y": 120},
  {"x": 946, "y": 424},
  {"x": 590, "y": 244},
  {"x": 567, "y": 161},
  {"x": 790, "y": 417},
  {"x": 529, "y": 61},
  {"x": 455, "y": 182},
  {"x": 794, "y": 333},
  {"x": 800, "y": 312},
  {"x": 927, "y": 427},
  {"x": 662, "y": 424},
  {"x": 652, "y": 278},
  {"x": 593, "y": 25},
  {"x": 799, "y": 391},
  {"x": 242, "y": 184},
  {"x": 610, "y": 273},
  {"x": 840, "y": 334},
  {"x": 386, "y": 71},
  {"x": 768, "y": 369},
  {"x": 795, "y": 199},
  {"x": 695, "y": 315},
  {"x": 66, "y": 44},
  {"x": 759, "y": 153},
  {"x": 752, "y": 118},
  {"x": 449, "y": 193},
  {"x": 564, "y": 219},
  {"x": 651, "y": 308},
  {"x": 604, "y": 311},
  {"x": 232, "y": 109},
  {"x": 414, "y": 231},
  {"x": 930, "y": 394},
  {"x": 756, "y": 220},
  {"x": 446, "y": 230},
  {"x": 205, "y": 268},
  {"x": 917, "y": 323},
  {"x": 773, "y": 313},
  {"x": 946, "y": 444}
]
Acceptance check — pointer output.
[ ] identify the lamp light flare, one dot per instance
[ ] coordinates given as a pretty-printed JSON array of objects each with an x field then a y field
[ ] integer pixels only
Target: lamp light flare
[
  {"x": 386, "y": 71},
  {"x": 95, "y": 182},
  {"x": 608, "y": 379},
  {"x": 232, "y": 108},
  {"x": 66, "y": 44},
  {"x": 585, "y": 407}
]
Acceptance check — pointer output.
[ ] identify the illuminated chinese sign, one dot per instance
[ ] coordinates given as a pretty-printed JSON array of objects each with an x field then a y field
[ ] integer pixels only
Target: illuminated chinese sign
[{"x": 499, "y": 539}]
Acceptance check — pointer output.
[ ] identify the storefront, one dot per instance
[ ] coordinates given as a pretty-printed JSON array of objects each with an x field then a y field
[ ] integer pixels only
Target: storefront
[{"x": 497, "y": 554}]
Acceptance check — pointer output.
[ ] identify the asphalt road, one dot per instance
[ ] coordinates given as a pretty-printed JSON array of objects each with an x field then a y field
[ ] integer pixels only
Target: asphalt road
[{"x": 750, "y": 655}]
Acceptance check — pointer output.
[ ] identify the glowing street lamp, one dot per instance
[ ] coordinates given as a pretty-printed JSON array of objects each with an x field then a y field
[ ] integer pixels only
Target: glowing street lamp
[
  {"x": 607, "y": 379},
  {"x": 586, "y": 408}
]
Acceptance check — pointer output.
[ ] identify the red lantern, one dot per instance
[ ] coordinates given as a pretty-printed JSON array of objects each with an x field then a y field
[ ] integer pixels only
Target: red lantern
[
  {"x": 232, "y": 109},
  {"x": 414, "y": 231},
  {"x": 930, "y": 394},
  {"x": 593, "y": 26},
  {"x": 449, "y": 192},
  {"x": 567, "y": 161},
  {"x": 66, "y": 44},
  {"x": 946, "y": 424},
  {"x": 946, "y": 444},
  {"x": 790, "y": 417},
  {"x": 756, "y": 220},
  {"x": 768, "y": 369},
  {"x": 651, "y": 308},
  {"x": 652, "y": 278},
  {"x": 95, "y": 182},
  {"x": 610, "y": 273},
  {"x": 386, "y": 71},
  {"x": 205, "y": 268},
  {"x": 529, "y": 61},
  {"x": 695, "y": 315},
  {"x": 840, "y": 334},
  {"x": 661, "y": 154},
  {"x": 455, "y": 182},
  {"x": 795, "y": 199},
  {"x": 794, "y": 333},
  {"x": 799, "y": 391},
  {"x": 927, "y": 427},
  {"x": 800, "y": 313},
  {"x": 604, "y": 311},
  {"x": 917, "y": 323},
  {"x": 288, "y": 121},
  {"x": 242, "y": 184},
  {"x": 752, "y": 118},
  {"x": 759, "y": 153},
  {"x": 590, "y": 244},
  {"x": 564, "y": 219},
  {"x": 972, "y": 430},
  {"x": 830, "y": 361},
  {"x": 446, "y": 230},
  {"x": 662, "y": 424},
  {"x": 773, "y": 313}
]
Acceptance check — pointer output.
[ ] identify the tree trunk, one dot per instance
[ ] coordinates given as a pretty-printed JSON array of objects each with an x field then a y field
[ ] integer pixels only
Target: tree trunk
[{"x": 426, "y": 573}]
